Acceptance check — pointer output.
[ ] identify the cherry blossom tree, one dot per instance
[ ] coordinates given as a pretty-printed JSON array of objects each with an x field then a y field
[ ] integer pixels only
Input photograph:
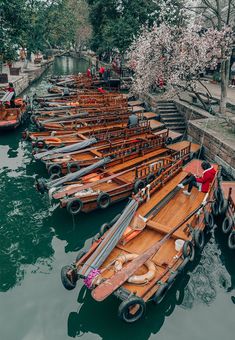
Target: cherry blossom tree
[{"x": 177, "y": 54}]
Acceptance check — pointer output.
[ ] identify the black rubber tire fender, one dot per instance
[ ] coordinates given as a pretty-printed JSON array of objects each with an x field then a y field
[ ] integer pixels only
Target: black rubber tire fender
[
  {"x": 41, "y": 185},
  {"x": 215, "y": 208},
  {"x": 54, "y": 169},
  {"x": 73, "y": 167},
  {"x": 160, "y": 294},
  {"x": 227, "y": 225},
  {"x": 188, "y": 251},
  {"x": 139, "y": 184},
  {"x": 25, "y": 134},
  {"x": 168, "y": 140},
  {"x": 54, "y": 176},
  {"x": 103, "y": 200},
  {"x": 208, "y": 219},
  {"x": 172, "y": 279},
  {"x": 96, "y": 238},
  {"x": 74, "y": 206},
  {"x": 32, "y": 119},
  {"x": 218, "y": 194},
  {"x": 123, "y": 309},
  {"x": 231, "y": 240},
  {"x": 150, "y": 178},
  {"x": 199, "y": 238},
  {"x": 104, "y": 228},
  {"x": 183, "y": 265},
  {"x": 40, "y": 144},
  {"x": 223, "y": 206},
  {"x": 67, "y": 282}
]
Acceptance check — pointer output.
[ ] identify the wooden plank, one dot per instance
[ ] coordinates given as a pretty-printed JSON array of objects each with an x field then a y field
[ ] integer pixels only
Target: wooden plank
[
  {"x": 194, "y": 147},
  {"x": 140, "y": 159},
  {"x": 149, "y": 115},
  {"x": 156, "y": 125},
  {"x": 164, "y": 230},
  {"x": 160, "y": 194}
]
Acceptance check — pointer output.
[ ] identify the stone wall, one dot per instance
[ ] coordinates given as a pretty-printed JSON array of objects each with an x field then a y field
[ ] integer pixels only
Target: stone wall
[
  {"x": 28, "y": 77},
  {"x": 191, "y": 112},
  {"x": 215, "y": 148}
]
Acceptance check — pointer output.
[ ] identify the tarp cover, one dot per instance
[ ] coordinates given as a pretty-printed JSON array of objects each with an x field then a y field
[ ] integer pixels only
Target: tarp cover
[
  {"x": 77, "y": 174},
  {"x": 69, "y": 148}
]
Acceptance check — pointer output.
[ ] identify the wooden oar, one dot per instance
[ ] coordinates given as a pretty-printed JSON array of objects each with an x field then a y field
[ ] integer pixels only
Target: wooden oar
[{"x": 106, "y": 288}]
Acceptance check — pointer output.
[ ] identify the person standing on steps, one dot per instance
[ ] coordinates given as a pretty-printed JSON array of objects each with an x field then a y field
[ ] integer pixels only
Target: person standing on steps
[{"x": 201, "y": 183}]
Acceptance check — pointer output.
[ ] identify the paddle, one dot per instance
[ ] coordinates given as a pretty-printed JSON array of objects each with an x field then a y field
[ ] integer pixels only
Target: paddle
[{"x": 106, "y": 288}]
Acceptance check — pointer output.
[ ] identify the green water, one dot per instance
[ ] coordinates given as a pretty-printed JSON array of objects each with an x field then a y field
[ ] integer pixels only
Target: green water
[{"x": 36, "y": 239}]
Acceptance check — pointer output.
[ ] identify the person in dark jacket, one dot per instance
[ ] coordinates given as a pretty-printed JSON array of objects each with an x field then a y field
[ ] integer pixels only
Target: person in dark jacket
[
  {"x": 133, "y": 121},
  {"x": 201, "y": 183}
]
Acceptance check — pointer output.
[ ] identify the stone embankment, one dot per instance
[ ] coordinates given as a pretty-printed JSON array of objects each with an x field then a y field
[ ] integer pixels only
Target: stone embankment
[
  {"x": 26, "y": 76},
  {"x": 213, "y": 133}
]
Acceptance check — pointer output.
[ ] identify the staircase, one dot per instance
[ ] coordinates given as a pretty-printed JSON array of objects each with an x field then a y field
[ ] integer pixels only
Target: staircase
[{"x": 170, "y": 116}]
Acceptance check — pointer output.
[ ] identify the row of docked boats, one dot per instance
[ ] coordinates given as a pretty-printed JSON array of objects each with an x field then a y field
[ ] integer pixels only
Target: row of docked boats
[{"x": 94, "y": 159}]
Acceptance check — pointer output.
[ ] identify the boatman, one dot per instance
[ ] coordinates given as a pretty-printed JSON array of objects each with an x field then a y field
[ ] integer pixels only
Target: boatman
[
  {"x": 201, "y": 183},
  {"x": 133, "y": 120}
]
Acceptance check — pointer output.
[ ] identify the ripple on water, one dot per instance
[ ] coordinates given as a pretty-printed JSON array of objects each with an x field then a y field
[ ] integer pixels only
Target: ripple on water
[{"x": 207, "y": 277}]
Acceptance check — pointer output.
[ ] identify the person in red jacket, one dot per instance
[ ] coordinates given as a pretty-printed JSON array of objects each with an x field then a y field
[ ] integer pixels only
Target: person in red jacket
[{"x": 201, "y": 183}]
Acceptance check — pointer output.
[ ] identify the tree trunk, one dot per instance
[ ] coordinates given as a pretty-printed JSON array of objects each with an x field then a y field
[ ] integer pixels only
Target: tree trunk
[{"x": 224, "y": 85}]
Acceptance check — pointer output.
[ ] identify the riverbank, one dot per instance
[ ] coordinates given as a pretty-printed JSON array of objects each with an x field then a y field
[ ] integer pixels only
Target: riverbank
[
  {"x": 26, "y": 75},
  {"x": 213, "y": 133}
]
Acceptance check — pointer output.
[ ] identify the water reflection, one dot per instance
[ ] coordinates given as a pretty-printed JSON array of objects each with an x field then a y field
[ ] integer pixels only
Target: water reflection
[
  {"x": 26, "y": 220},
  {"x": 86, "y": 321}
]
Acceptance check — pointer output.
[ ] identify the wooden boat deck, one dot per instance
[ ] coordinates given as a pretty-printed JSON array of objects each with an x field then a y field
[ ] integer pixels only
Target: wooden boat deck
[
  {"x": 156, "y": 198},
  {"x": 131, "y": 162},
  {"x": 194, "y": 147},
  {"x": 165, "y": 219},
  {"x": 156, "y": 125},
  {"x": 135, "y": 103},
  {"x": 149, "y": 115}
]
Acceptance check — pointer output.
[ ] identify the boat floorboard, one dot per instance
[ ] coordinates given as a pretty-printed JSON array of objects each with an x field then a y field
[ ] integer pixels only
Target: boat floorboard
[
  {"x": 160, "y": 194},
  {"x": 133, "y": 162}
]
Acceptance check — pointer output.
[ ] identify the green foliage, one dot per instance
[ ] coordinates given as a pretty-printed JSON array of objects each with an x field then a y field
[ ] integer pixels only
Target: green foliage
[
  {"x": 37, "y": 25},
  {"x": 115, "y": 23}
]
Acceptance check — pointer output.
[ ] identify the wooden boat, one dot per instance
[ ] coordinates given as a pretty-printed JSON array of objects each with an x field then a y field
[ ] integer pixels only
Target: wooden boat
[
  {"x": 86, "y": 131},
  {"x": 119, "y": 151},
  {"x": 224, "y": 207},
  {"x": 103, "y": 188},
  {"x": 48, "y": 142},
  {"x": 82, "y": 119},
  {"x": 10, "y": 118},
  {"x": 91, "y": 124},
  {"x": 148, "y": 246}
]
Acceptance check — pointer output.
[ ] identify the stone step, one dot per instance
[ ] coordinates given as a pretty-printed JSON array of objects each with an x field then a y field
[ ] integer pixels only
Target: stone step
[
  {"x": 167, "y": 107},
  {"x": 172, "y": 119},
  {"x": 170, "y": 115},
  {"x": 181, "y": 124},
  {"x": 161, "y": 102},
  {"x": 168, "y": 110}
]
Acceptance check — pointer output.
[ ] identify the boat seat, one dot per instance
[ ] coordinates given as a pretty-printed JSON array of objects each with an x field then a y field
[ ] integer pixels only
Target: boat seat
[{"x": 179, "y": 234}]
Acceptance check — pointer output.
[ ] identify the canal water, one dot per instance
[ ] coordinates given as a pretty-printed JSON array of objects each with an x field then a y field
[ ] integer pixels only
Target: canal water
[{"x": 37, "y": 239}]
